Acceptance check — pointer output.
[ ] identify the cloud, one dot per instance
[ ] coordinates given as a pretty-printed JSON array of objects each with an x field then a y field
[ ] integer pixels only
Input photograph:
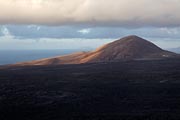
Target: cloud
[
  {"x": 171, "y": 31},
  {"x": 126, "y": 13},
  {"x": 34, "y": 27},
  {"x": 35, "y": 32},
  {"x": 85, "y": 31},
  {"x": 6, "y": 33}
]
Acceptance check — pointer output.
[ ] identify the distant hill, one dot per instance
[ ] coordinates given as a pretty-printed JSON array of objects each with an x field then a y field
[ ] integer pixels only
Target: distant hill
[{"x": 127, "y": 48}]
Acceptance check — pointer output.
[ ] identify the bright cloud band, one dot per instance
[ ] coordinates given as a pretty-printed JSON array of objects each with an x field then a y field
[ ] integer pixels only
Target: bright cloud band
[{"x": 127, "y": 13}]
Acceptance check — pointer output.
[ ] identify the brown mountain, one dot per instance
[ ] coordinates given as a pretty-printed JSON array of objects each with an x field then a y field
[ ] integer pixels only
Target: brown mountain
[{"x": 127, "y": 48}]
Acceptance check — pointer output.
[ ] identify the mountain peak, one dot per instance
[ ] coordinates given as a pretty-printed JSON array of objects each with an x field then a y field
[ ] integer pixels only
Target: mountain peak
[
  {"x": 132, "y": 37},
  {"x": 127, "y": 48}
]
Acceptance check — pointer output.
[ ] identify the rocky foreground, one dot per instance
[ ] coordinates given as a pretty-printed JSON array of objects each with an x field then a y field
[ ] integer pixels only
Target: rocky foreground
[{"x": 129, "y": 90}]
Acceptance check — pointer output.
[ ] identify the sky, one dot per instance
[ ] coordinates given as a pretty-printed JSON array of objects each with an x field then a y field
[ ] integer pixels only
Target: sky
[{"x": 86, "y": 24}]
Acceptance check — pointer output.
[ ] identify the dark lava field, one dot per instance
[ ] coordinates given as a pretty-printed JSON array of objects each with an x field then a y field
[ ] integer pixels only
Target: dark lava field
[{"x": 131, "y": 90}]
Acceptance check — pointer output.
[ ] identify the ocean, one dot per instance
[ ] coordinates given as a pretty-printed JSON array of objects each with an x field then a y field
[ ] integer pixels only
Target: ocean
[{"x": 14, "y": 56}]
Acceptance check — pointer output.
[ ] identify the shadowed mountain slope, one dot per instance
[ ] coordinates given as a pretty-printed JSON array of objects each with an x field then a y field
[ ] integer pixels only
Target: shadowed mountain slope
[{"x": 127, "y": 48}]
